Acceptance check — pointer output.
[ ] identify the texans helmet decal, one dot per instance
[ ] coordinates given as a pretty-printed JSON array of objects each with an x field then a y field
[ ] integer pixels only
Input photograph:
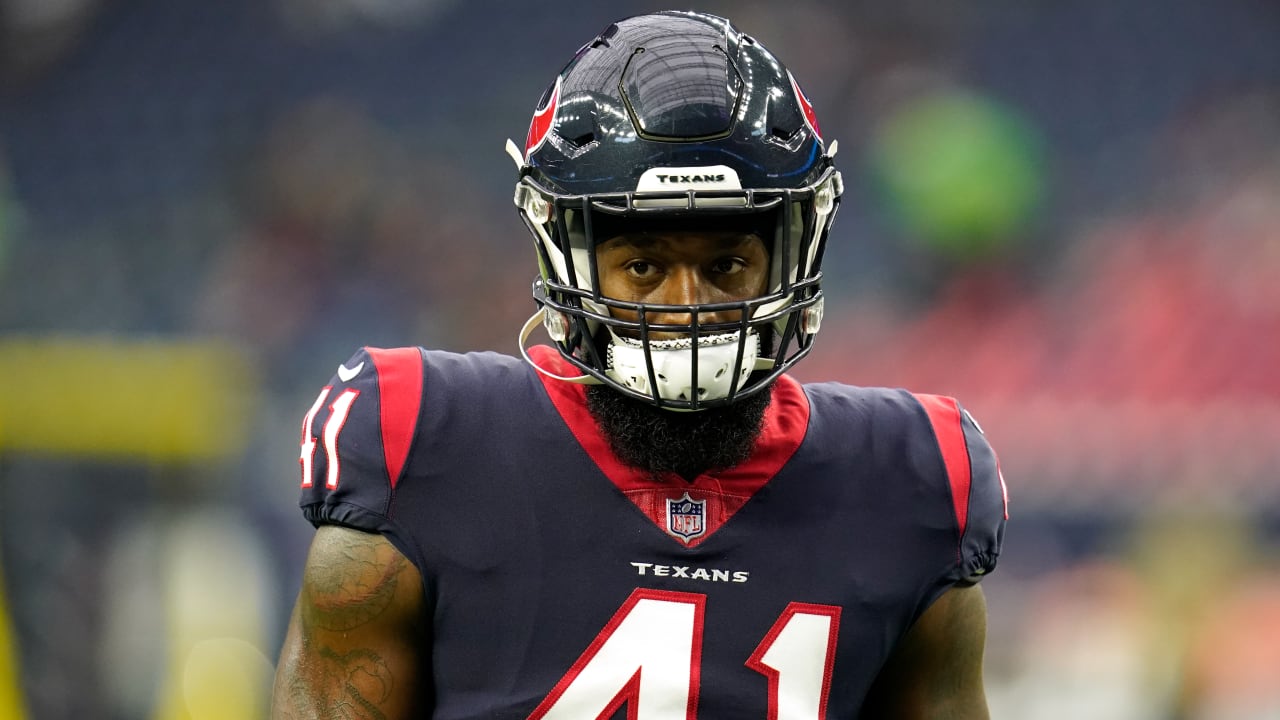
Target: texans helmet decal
[
  {"x": 542, "y": 121},
  {"x": 810, "y": 116}
]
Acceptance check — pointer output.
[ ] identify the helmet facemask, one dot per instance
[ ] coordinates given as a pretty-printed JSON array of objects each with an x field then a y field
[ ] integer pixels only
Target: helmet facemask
[{"x": 709, "y": 363}]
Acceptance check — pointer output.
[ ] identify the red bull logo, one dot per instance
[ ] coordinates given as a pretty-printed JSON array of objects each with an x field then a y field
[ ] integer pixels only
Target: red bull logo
[
  {"x": 542, "y": 121},
  {"x": 810, "y": 116}
]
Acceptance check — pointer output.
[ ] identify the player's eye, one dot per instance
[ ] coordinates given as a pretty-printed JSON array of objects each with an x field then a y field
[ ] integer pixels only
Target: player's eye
[
  {"x": 728, "y": 266},
  {"x": 640, "y": 269}
]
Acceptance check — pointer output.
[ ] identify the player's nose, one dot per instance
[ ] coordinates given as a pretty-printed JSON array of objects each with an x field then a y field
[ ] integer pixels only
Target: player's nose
[{"x": 686, "y": 285}]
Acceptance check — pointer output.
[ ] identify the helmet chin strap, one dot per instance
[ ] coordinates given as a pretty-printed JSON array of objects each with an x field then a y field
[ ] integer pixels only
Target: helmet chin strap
[
  {"x": 671, "y": 362},
  {"x": 534, "y": 321},
  {"x": 723, "y": 353}
]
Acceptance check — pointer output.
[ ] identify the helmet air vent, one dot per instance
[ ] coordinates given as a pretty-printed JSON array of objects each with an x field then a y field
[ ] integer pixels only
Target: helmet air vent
[{"x": 682, "y": 88}]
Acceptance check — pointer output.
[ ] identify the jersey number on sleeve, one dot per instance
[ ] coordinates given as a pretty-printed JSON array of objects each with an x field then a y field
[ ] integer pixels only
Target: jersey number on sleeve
[
  {"x": 329, "y": 436},
  {"x": 649, "y": 657}
]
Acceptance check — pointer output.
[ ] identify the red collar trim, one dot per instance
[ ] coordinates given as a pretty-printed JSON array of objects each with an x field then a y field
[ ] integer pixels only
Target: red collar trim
[{"x": 786, "y": 421}]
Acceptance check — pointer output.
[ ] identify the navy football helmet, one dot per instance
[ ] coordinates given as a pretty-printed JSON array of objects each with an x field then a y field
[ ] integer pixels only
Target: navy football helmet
[{"x": 674, "y": 120}]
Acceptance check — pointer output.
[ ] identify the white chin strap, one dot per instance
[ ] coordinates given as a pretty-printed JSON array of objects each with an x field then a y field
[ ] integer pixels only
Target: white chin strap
[{"x": 673, "y": 365}]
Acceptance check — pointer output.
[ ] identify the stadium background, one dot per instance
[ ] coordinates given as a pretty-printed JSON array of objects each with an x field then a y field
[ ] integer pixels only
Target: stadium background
[{"x": 1065, "y": 214}]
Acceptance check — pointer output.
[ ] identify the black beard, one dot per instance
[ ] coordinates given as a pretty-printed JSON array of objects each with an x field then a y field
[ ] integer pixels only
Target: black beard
[{"x": 685, "y": 443}]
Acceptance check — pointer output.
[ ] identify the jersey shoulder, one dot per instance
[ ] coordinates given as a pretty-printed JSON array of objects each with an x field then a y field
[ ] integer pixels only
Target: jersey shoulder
[
  {"x": 978, "y": 492},
  {"x": 359, "y": 433},
  {"x": 933, "y": 441}
]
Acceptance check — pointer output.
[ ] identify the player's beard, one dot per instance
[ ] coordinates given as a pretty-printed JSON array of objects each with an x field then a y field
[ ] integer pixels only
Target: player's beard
[{"x": 685, "y": 443}]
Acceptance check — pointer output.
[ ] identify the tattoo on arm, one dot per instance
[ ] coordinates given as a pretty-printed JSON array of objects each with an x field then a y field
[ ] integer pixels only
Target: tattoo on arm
[
  {"x": 352, "y": 685},
  {"x": 349, "y": 620},
  {"x": 353, "y": 584}
]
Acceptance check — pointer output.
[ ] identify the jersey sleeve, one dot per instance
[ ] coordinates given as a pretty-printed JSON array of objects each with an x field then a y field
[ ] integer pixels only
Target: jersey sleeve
[
  {"x": 356, "y": 438},
  {"x": 978, "y": 493}
]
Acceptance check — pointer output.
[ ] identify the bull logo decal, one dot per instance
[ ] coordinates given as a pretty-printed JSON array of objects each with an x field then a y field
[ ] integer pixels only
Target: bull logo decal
[
  {"x": 810, "y": 117},
  {"x": 543, "y": 119}
]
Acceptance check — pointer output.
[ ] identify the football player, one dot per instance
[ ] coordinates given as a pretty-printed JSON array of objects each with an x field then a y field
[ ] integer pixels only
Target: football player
[{"x": 651, "y": 519}]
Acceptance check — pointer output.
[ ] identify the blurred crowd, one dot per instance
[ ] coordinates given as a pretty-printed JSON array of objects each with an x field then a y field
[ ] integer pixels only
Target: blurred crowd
[{"x": 1065, "y": 214}]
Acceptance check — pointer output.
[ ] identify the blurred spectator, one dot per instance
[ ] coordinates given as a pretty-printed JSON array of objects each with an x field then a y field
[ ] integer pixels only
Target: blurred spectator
[
  {"x": 36, "y": 34},
  {"x": 308, "y": 200}
]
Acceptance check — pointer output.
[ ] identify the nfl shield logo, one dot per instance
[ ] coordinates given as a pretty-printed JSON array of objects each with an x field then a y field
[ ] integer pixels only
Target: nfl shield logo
[{"x": 685, "y": 517}]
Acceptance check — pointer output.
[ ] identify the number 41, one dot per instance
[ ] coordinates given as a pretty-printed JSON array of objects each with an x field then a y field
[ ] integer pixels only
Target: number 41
[
  {"x": 648, "y": 657},
  {"x": 337, "y": 418}
]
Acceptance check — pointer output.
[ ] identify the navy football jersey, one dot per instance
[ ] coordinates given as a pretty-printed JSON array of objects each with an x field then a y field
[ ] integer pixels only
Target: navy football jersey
[{"x": 564, "y": 584}]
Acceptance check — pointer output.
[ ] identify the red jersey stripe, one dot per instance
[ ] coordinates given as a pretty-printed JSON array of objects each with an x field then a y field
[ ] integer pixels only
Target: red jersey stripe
[
  {"x": 400, "y": 394},
  {"x": 944, "y": 415}
]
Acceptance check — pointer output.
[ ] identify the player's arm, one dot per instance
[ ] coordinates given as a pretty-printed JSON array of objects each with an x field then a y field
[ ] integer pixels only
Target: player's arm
[
  {"x": 935, "y": 672},
  {"x": 353, "y": 644}
]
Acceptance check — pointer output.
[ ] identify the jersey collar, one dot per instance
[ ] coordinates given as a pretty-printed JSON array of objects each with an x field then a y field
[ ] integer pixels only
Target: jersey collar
[{"x": 785, "y": 422}]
